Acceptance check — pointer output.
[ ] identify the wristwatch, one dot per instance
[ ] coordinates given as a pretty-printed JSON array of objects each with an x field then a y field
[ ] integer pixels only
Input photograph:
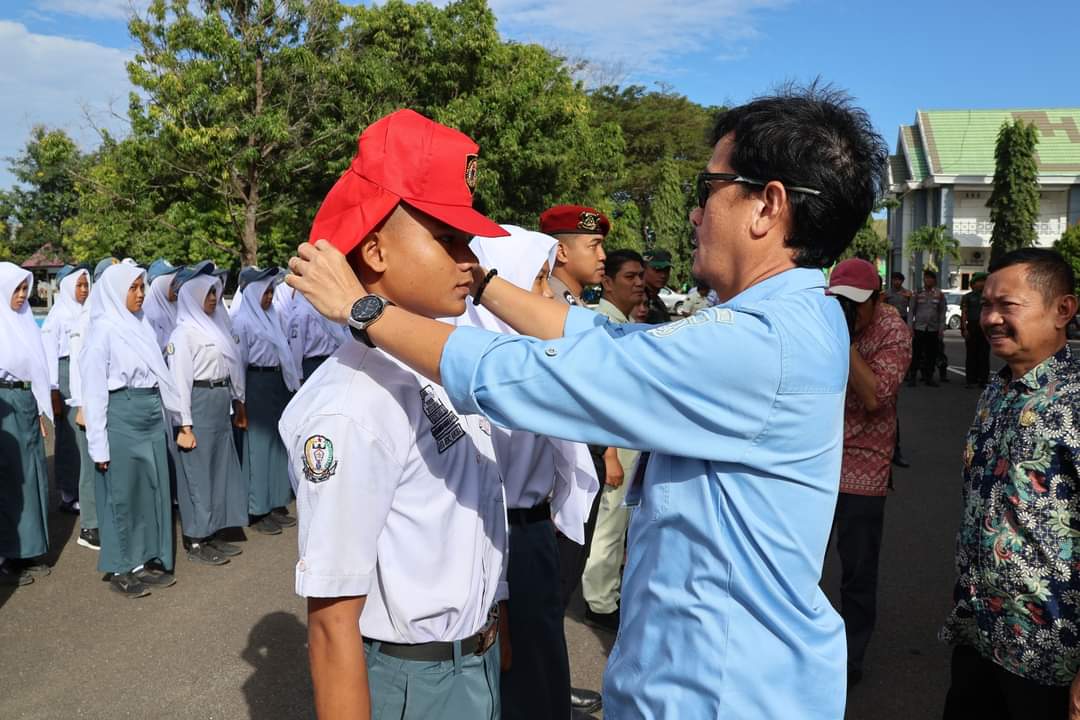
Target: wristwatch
[{"x": 364, "y": 312}]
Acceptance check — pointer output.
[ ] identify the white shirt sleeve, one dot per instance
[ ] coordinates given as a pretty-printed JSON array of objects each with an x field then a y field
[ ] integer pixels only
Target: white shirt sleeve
[
  {"x": 50, "y": 338},
  {"x": 75, "y": 346},
  {"x": 239, "y": 388},
  {"x": 94, "y": 367},
  {"x": 183, "y": 370},
  {"x": 298, "y": 338},
  {"x": 345, "y": 480}
]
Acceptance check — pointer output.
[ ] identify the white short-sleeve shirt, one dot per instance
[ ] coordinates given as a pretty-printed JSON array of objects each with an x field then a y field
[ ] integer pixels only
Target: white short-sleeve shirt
[{"x": 399, "y": 499}]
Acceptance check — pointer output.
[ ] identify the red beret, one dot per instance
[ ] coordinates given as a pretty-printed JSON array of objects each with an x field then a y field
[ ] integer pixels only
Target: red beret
[{"x": 574, "y": 219}]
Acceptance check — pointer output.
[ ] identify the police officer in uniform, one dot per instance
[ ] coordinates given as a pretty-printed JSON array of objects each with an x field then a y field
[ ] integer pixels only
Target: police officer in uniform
[
  {"x": 657, "y": 274},
  {"x": 402, "y": 516},
  {"x": 977, "y": 367}
]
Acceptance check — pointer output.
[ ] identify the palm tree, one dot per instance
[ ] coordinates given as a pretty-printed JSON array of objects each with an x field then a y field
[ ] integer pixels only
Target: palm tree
[{"x": 936, "y": 242}]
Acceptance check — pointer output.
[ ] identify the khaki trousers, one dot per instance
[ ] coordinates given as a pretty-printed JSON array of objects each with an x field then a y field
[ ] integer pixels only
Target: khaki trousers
[{"x": 603, "y": 570}]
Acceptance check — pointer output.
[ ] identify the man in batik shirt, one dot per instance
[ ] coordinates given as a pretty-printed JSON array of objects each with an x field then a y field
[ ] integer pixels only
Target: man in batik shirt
[
  {"x": 880, "y": 354},
  {"x": 1015, "y": 626}
]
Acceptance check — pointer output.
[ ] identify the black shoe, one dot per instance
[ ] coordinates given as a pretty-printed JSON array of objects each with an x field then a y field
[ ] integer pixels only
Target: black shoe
[
  {"x": 282, "y": 517},
  {"x": 68, "y": 506},
  {"x": 587, "y": 701},
  {"x": 203, "y": 554},
  {"x": 90, "y": 538},
  {"x": 155, "y": 578},
  {"x": 602, "y": 621},
  {"x": 226, "y": 549},
  {"x": 128, "y": 585},
  {"x": 900, "y": 462},
  {"x": 266, "y": 526},
  {"x": 33, "y": 568},
  {"x": 13, "y": 576}
]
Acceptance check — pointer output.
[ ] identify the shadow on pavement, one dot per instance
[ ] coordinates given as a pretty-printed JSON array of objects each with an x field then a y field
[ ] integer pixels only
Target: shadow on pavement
[{"x": 280, "y": 685}]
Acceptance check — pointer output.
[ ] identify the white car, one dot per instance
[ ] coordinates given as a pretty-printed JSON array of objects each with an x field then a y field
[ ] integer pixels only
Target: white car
[
  {"x": 952, "y": 309},
  {"x": 672, "y": 300}
]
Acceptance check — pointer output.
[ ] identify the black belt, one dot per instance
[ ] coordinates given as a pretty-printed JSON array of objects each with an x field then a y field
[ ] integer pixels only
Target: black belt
[
  {"x": 211, "y": 383},
  {"x": 14, "y": 385},
  {"x": 320, "y": 358},
  {"x": 528, "y": 516},
  {"x": 477, "y": 644},
  {"x": 263, "y": 368},
  {"x": 136, "y": 391}
]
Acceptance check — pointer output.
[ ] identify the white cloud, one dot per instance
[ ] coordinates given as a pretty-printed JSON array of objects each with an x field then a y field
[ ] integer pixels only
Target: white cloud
[
  {"x": 49, "y": 80},
  {"x": 104, "y": 9},
  {"x": 640, "y": 36}
]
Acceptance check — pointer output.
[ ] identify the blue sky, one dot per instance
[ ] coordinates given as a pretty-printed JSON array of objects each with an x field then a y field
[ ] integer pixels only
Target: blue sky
[{"x": 61, "y": 61}]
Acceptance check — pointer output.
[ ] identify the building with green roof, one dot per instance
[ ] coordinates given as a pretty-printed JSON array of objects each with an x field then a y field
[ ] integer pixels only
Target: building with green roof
[{"x": 943, "y": 174}]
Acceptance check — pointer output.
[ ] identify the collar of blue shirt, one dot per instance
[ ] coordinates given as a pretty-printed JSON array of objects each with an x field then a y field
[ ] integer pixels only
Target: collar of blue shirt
[{"x": 779, "y": 284}]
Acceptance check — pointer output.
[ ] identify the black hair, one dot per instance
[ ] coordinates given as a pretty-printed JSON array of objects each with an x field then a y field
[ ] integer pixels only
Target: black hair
[
  {"x": 898, "y": 275},
  {"x": 1047, "y": 271},
  {"x": 811, "y": 137},
  {"x": 851, "y": 309},
  {"x": 617, "y": 258},
  {"x": 929, "y": 273}
]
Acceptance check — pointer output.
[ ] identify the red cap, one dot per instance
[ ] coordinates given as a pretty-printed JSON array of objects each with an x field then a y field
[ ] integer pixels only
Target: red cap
[
  {"x": 574, "y": 219},
  {"x": 855, "y": 279},
  {"x": 403, "y": 157}
]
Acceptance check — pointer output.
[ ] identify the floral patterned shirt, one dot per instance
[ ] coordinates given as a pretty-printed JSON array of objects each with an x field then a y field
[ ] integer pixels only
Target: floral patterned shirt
[{"x": 1017, "y": 597}]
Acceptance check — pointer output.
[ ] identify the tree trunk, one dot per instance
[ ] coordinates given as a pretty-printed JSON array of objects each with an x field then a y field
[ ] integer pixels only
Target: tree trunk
[{"x": 249, "y": 250}]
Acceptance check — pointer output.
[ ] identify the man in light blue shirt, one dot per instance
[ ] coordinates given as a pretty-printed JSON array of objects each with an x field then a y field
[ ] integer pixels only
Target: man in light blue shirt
[{"x": 741, "y": 406}]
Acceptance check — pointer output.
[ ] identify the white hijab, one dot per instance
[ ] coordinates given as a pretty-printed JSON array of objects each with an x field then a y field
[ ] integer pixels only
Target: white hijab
[
  {"x": 266, "y": 325},
  {"x": 215, "y": 328},
  {"x": 22, "y": 353},
  {"x": 109, "y": 314},
  {"x": 158, "y": 309},
  {"x": 67, "y": 309},
  {"x": 519, "y": 259}
]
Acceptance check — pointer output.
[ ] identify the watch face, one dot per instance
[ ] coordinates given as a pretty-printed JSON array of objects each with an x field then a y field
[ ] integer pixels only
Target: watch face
[{"x": 366, "y": 309}]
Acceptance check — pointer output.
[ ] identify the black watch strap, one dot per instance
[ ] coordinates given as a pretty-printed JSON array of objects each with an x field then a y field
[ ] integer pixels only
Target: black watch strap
[{"x": 361, "y": 336}]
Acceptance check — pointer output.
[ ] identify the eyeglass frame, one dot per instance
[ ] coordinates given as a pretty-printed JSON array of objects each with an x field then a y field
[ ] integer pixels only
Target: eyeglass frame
[{"x": 704, "y": 191}]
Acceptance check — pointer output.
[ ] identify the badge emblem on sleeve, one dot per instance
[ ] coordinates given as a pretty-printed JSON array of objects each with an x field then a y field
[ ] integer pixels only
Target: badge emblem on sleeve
[{"x": 319, "y": 461}]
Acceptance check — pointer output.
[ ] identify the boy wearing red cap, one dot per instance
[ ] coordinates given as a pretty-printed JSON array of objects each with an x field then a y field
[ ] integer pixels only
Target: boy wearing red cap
[
  {"x": 400, "y": 503},
  {"x": 579, "y": 257},
  {"x": 880, "y": 355}
]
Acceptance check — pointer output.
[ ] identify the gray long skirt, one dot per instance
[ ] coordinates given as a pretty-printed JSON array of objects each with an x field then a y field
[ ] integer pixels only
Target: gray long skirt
[
  {"x": 74, "y": 468},
  {"x": 263, "y": 457},
  {"x": 132, "y": 496},
  {"x": 209, "y": 484},
  {"x": 24, "y": 478}
]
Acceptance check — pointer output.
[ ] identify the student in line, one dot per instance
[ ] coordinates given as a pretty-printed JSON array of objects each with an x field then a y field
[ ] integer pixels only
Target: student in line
[
  {"x": 25, "y": 403},
  {"x": 66, "y": 317},
  {"x": 272, "y": 376},
  {"x": 126, "y": 386},
  {"x": 205, "y": 359}
]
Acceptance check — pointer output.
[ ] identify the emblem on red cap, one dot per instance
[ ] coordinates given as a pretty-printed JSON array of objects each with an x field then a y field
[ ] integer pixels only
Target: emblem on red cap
[
  {"x": 589, "y": 221},
  {"x": 471, "y": 167}
]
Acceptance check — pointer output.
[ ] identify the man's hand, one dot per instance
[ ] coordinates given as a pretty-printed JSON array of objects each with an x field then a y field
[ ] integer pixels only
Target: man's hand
[
  {"x": 1074, "y": 699},
  {"x": 80, "y": 419},
  {"x": 102, "y": 467},
  {"x": 185, "y": 439},
  {"x": 44, "y": 426},
  {"x": 239, "y": 419},
  {"x": 506, "y": 655},
  {"x": 613, "y": 469},
  {"x": 323, "y": 275},
  {"x": 59, "y": 409}
]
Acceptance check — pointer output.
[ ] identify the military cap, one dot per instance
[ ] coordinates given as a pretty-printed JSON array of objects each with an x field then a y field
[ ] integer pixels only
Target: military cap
[
  {"x": 574, "y": 220},
  {"x": 658, "y": 259}
]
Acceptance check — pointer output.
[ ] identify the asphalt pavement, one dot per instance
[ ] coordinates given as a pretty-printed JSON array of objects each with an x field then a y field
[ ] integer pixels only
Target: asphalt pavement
[{"x": 229, "y": 642}]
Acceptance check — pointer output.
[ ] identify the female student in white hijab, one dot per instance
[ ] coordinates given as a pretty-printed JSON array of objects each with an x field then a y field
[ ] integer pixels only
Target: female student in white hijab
[
  {"x": 205, "y": 358},
  {"x": 549, "y": 484},
  {"x": 66, "y": 318},
  {"x": 126, "y": 392},
  {"x": 283, "y": 301},
  {"x": 160, "y": 304},
  {"x": 272, "y": 377},
  {"x": 25, "y": 402}
]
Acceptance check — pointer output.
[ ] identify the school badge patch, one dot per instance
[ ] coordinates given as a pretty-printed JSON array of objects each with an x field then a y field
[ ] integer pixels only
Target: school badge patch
[
  {"x": 319, "y": 461},
  {"x": 445, "y": 426},
  {"x": 472, "y": 165},
  {"x": 589, "y": 221}
]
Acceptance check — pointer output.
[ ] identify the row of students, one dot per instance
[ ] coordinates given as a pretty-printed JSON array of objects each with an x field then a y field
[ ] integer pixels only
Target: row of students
[{"x": 144, "y": 376}]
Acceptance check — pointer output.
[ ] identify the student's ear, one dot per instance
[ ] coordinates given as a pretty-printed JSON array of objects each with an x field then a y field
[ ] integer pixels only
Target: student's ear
[{"x": 372, "y": 253}]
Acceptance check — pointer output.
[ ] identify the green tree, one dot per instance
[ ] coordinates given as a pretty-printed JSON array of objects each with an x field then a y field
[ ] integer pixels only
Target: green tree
[
  {"x": 935, "y": 241},
  {"x": 235, "y": 95},
  {"x": 626, "y": 228},
  {"x": 1014, "y": 202},
  {"x": 668, "y": 219},
  {"x": 1069, "y": 247},
  {"x": 868, "y": 243},
  {"x": 45, "y": 197}
]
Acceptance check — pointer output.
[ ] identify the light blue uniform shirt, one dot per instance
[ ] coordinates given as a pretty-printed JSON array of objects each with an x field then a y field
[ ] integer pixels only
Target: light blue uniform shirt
[{"x": 742, "y": 406}]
